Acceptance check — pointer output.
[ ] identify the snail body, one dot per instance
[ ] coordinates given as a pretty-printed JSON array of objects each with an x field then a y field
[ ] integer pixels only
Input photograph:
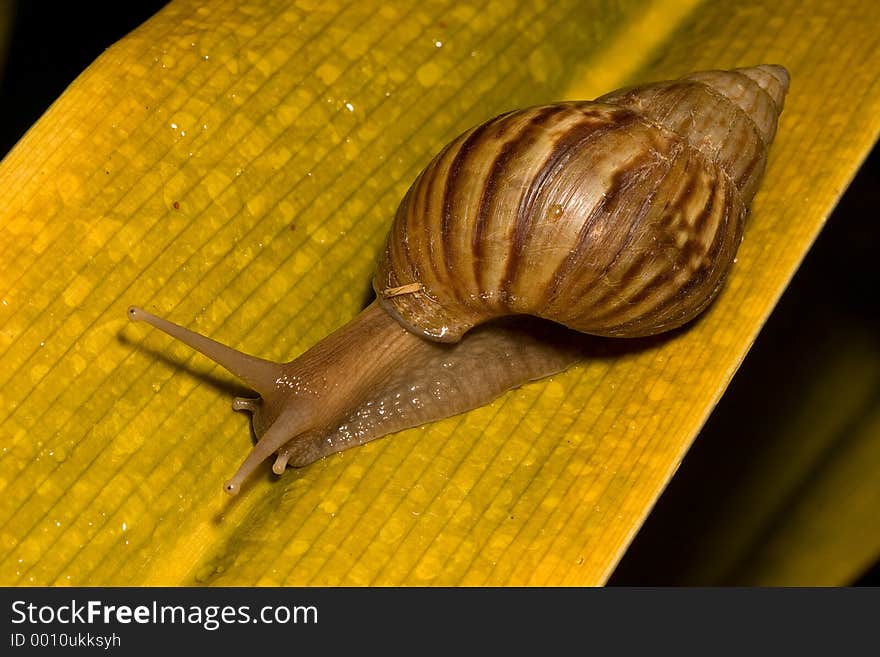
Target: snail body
[{"x": 615, "y": 217}]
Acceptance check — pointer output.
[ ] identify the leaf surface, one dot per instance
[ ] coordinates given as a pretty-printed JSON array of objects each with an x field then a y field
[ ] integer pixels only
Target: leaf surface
[{"x": 234, "y": 167}]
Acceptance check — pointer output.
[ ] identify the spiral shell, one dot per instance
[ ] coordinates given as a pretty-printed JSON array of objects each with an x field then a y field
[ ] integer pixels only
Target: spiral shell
[{"x": 616, "y": 217}]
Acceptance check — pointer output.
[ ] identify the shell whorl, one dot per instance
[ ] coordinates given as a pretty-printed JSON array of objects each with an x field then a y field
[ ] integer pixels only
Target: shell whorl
[{"x": 616, "y": 217}]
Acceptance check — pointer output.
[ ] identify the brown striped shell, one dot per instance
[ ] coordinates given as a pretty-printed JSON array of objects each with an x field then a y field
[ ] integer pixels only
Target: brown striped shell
[{"x": 616, "y": 217}]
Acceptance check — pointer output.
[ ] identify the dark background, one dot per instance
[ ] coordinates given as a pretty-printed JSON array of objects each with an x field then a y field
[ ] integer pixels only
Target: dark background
[{"x": 52, "y": 42}]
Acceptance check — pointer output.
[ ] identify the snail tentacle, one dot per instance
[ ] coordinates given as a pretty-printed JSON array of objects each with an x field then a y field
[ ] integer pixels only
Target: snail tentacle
[{"x": 258, "y": 373}]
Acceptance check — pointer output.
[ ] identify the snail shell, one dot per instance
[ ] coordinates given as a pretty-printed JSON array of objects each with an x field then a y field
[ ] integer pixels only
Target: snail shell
[{"x": 616, "y": 217}]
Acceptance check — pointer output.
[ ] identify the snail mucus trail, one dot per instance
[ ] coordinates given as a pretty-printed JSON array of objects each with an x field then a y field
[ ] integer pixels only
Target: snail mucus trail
[{"x": 615, "y": 217}]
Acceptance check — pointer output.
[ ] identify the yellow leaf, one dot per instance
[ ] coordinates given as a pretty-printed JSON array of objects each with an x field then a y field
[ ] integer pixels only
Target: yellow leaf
[{"x": 234, "y": 166}]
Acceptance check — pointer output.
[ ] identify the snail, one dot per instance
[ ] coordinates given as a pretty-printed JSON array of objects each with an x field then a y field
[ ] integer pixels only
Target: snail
[{"x": 616, "y": 217}]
